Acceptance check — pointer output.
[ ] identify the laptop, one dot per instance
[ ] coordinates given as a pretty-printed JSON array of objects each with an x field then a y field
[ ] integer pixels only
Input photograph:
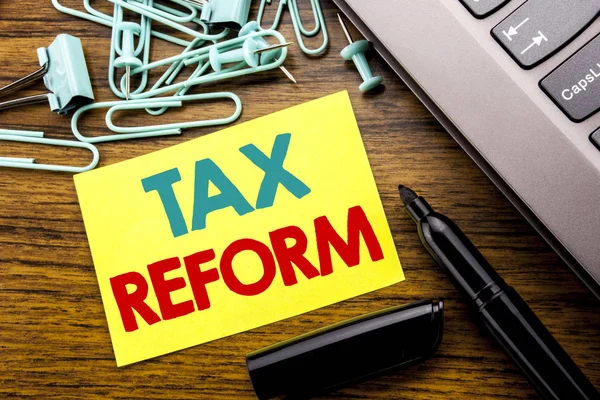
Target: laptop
[{"x": 517, "y": 84}]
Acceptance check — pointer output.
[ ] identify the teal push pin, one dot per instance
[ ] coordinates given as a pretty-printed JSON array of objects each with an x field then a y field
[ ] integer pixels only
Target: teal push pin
[
  {"x": 249, "y": 53},
  {"x": 269, "y": 55},
  {"x": 246, "y": 53},
  {"x": 355, "y": 51},
  {"x": 128, "y": 58}
]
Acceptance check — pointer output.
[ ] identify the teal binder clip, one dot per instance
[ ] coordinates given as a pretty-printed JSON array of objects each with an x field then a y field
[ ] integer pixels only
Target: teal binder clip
[
  {"x": 299, "y": 28},
  {"x": 38, "y": 138},
  {"x": 355, "y": 51},
  {"x": 137, "y": 132},
  {"x": 65, "y": 75},
  {"x": 226, "y": 13}
]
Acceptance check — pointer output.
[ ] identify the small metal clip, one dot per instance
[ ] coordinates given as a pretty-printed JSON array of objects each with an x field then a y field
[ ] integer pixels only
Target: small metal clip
[
  {"x": 65, "y": 74},
  {"x": 38, "y": 138}
]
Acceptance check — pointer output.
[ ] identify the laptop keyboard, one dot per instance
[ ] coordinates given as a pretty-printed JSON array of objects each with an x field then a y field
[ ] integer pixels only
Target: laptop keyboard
[
  {"x": 537, "y": 30},
  {"x": 483, "y": 8},
  {"x": 595, "y": 138},
  {"x": 575, "y": 85}
]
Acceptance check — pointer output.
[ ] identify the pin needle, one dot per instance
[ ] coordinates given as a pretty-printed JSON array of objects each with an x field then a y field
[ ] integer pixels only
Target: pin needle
[
  {"x": 281, "y": 67},
  {"x": 273, "y": 47},
  {"x": 127, "y": 81},
  {"x": 345, "y": 29},
  {"x": 287, "y": 73}
]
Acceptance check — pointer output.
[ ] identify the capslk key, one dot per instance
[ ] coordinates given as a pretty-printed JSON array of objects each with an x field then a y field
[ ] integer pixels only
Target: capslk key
[
  {"x": 539, "y": 28},
  {"x": 575, "y": 84}
]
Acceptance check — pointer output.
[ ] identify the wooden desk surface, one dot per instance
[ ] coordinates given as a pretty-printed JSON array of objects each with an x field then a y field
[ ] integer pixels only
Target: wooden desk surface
[{"x": 54, "y": 340}]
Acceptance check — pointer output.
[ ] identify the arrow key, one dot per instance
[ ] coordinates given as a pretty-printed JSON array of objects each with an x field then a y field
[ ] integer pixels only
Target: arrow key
[{"x": 538, "y": 28}]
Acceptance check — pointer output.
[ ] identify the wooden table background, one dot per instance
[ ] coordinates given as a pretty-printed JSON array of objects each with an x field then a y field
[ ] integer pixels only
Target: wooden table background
[{"x": 54, "y": 340}]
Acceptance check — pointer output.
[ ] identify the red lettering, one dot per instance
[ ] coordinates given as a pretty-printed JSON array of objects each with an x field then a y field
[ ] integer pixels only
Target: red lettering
[
  {"x": 295, "y": 254},
  {"x": 127, "y": 302},
  {"x": 163, "y": 288},
  {"x": 268, "y": 263},
  {"x": 358, "y": 224},
  {"x": 198, "y": 278}
]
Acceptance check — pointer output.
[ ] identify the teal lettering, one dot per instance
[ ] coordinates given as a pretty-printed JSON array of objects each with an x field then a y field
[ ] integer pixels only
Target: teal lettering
[
  {"x": 207, "y": 171},
  {"x": 163, "y": 184},
  {"x": 274, "y": 171}
]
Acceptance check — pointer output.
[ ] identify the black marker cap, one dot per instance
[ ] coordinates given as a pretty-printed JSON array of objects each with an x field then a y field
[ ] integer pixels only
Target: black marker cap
[{"x": 347, "y": 352}]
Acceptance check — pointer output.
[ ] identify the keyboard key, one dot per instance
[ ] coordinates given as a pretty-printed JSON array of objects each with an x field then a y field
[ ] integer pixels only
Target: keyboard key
[
  {"x": 483, "y": 8},
  {"x": 539, "y": 28},
  {"x": 595, "y": 138},
  {"x": 575, "y": 84}
]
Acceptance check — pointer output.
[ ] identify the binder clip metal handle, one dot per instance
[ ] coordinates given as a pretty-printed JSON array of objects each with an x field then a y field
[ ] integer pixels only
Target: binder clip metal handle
[{"x": 65, "y": 75}]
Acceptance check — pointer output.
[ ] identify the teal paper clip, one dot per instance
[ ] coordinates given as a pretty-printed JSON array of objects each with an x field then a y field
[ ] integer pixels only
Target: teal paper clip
[
  {"x": 173, "y": 14},
  {"x": 123, "y": 33},
  {"x": 124, "y": 133},
  {"x": 38, "y": 138},
  {"x": 159, "y": 10},
  {"x": 65, "y": 75},
  {"x": 299, "y": 28},
  {"x": 148, "y": 11},
  {"x": 226, "y": 13},
  {"x": 202, "y": 55},
  {"x": 171, "y": 74}
]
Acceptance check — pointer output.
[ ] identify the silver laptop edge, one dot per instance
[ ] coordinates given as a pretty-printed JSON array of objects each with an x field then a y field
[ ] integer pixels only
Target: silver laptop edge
[{"x": 541, "y": 161}]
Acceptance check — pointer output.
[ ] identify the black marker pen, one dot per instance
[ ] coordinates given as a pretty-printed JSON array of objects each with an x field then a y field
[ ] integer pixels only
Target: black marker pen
[{"x": 506, "y": 315}]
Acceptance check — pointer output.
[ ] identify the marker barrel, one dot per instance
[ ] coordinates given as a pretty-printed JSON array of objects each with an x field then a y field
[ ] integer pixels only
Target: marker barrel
[{"x": 505, "y": 314}]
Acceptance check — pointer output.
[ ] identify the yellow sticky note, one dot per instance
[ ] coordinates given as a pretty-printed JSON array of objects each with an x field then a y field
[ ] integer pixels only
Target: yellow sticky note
[{"x": 234, "y": 230}]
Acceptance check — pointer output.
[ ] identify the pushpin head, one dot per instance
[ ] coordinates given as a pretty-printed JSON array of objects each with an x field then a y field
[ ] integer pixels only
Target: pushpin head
[
  {"x": 266, "y": 57},
  {"x": 214, "y": 59},
  {"x": 250, "y": 27},
  {"x": 370, "y": 84},
  {"x": 250, "y": 55},
  {"x": 361, "y": 46},
  {"x": 128, "y": 58},
  {"x": 356, "y": 52}
]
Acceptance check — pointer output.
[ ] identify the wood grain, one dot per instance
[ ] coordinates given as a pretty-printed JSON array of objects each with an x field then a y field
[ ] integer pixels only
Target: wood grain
[{"x": 54, "y": 340}]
